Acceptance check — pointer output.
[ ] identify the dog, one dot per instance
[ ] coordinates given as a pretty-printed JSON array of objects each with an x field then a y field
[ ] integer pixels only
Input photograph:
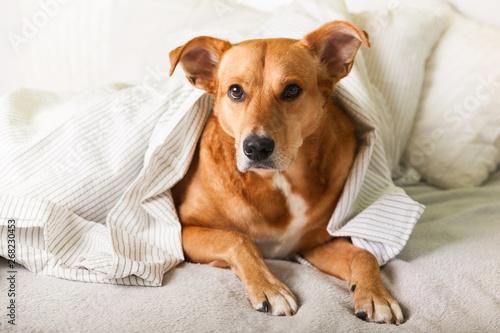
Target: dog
[{"x": 271, "y": 163}]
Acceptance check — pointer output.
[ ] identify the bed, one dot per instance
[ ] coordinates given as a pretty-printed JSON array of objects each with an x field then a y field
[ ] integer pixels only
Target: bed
[
  {"x": 446, "y": 279},
  {"x": 440, "y": 141}
]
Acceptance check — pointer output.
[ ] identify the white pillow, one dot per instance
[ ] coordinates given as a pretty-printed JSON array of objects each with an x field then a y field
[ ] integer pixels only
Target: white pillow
[
  {"x": 402, "y": 39},
  {"x": 456, "y": 137},
  {"x": 483, "y": 10}
]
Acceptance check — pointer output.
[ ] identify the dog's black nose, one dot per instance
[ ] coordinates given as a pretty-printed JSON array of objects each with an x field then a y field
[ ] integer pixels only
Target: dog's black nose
[{"x": 258, "y": 148}]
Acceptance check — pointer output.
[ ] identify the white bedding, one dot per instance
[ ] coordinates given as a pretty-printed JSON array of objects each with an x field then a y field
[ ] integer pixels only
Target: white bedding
[{"x": 447, "y": 278}]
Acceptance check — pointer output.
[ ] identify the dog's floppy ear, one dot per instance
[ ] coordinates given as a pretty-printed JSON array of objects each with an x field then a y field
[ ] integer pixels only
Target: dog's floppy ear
[
  {"x": 336, "y": 44},
  {"x": 199, "y": 58}
]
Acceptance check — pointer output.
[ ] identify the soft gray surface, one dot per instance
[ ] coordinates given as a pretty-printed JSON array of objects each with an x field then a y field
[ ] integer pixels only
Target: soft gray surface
[{"x": 447, "y": 279}]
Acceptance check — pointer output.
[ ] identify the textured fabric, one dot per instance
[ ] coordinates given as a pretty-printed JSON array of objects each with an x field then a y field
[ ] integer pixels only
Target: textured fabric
[
  {"x": 446, "y": 280},
  {"x": 89, "y": 193},
  {"x": 456, "y": 135},
  {"x": 397, "y": 67},
  {"x": 86, "y": 195}
]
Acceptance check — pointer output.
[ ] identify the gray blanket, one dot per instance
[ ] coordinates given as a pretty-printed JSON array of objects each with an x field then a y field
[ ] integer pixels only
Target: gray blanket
[{"x": 447, "y": 279}]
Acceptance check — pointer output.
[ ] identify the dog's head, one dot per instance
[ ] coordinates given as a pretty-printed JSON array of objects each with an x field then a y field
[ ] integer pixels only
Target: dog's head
[{"x": 270, "y": 94}]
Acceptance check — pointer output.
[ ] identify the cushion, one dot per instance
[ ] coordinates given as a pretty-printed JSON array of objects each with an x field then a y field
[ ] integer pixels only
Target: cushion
[
  {"x": 456, "y": 137},
  {"x": 402, "y": 39},
  {"x": 482, "y": 10}
]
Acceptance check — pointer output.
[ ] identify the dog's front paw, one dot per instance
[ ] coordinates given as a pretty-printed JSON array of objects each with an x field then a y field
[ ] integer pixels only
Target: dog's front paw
[
  {"x": 272, "y": 296},
  {"x": 376, "y": 305}
]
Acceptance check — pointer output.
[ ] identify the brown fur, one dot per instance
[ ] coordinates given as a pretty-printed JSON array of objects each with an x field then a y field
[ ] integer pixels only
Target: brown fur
[{"x": 229, "y": 208}]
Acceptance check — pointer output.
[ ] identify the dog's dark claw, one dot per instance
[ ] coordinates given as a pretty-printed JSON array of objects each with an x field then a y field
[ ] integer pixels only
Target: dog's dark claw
[
  {"x": 264, "y": 307},
  {"x": 353, "y": 287},
  {"x": 361, "y": 315}
]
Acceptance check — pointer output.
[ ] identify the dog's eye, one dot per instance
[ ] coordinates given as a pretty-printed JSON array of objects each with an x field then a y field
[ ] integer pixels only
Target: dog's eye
[
  {"x": 236, "y": 93},
  {"x": 291, "y": 91}
]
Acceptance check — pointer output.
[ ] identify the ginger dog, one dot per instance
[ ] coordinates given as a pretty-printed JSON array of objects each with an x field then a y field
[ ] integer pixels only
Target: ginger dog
[{"x": 271, "y": 164}]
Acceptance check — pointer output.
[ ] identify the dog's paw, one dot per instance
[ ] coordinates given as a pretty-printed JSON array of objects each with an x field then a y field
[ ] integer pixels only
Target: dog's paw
[
  {"x": 376, "y": 305},
  {"x": 273, "y": 297}
]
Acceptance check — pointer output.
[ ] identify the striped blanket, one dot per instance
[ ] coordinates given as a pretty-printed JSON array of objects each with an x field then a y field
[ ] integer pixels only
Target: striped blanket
[{"x": 85, "y": 178}]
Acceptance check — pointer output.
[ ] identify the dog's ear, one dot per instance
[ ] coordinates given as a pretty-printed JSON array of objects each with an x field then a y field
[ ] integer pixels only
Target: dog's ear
[
  {"x": 335, "y": 44},
  {"x": 199, "y": 58}
]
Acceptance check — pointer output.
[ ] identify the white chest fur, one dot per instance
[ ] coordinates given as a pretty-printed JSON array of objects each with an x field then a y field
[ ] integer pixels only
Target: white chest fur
[{"x": 284, "y": 244}]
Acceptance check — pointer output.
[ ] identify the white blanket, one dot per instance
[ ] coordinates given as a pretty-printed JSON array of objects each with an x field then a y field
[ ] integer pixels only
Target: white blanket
[{"x": 86, "y": 179}]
